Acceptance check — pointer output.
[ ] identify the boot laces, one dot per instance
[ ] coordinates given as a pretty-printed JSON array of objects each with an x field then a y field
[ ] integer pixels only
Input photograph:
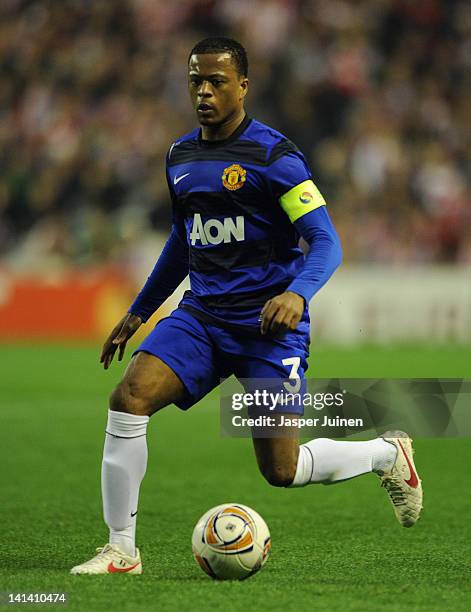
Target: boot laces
[{"x": 102, "y": 552}]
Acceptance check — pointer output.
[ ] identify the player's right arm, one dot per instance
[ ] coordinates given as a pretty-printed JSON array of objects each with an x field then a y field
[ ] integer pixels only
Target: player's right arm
[
  {"x": 169, "y": 271},
  {"x": 118, "y": 338}
]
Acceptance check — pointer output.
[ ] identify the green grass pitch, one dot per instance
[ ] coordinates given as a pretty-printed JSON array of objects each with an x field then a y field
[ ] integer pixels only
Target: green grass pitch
[{"x": 334, "y": 548}]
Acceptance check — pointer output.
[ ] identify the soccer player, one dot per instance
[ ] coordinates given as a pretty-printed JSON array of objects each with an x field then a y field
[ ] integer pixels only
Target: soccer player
[{"x": 242, "y": 195}]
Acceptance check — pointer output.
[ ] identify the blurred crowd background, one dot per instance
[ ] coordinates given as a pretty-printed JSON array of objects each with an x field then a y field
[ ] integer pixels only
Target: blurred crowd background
[{"x": 377, "y": 94}]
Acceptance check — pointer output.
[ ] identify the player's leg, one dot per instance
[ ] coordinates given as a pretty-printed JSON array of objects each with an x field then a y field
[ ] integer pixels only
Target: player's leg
[
  {"x": 174, "y": 364},
  {"x": 330, "y": 461},
  {"x": 284, "y": 462},
  {"x": 390, "y": 457},
  {"x": 148, "y": 385},
  {"x": 277, "y": 458},
  {"x": 318, "y": 461}
]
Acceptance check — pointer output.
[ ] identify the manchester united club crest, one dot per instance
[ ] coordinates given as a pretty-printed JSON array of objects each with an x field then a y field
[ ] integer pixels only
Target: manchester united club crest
[{"x": 234, "y": 177}]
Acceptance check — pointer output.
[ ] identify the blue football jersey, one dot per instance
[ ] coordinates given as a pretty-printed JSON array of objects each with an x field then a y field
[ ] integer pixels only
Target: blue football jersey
[{"x": 234, "y": 204}]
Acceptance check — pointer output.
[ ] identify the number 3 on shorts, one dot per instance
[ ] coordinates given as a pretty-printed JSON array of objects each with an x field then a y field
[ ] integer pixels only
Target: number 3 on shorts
[{"x": 294, "y": 384}]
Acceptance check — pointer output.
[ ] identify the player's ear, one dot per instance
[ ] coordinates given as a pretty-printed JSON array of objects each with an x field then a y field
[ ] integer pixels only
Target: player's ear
[{"x": 244, "y": 87}]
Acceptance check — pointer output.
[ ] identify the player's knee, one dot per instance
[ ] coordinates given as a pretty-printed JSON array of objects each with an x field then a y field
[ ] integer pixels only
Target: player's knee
[
  {"x": 125, "y": 399},
  {"x": 279, "y": 476}
]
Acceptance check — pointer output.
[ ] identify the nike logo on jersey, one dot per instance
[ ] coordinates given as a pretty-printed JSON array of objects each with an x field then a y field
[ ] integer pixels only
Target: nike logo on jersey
[
  {"x": 120, "y": 570},
  {"x": 413, "y": 479},
  {"x": 214, "y": 231},
  {"x": 177, "y": 180},
  {"x": 133, "y": 513}
]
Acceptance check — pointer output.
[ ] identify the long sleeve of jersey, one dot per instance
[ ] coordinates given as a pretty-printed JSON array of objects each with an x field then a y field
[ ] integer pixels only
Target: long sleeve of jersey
[
  {"x": 292, "y": 184},
  {"x": 169, "y": 271},
  {"x": 324, "y": 256}
]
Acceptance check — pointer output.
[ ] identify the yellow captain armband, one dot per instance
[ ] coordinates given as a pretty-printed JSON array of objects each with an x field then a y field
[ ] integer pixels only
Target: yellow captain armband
[{"x": 301, "y": 199}]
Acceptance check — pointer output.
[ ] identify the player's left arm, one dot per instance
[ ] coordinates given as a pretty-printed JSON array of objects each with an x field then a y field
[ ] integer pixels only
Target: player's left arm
[{"x": 306, "y": 209}]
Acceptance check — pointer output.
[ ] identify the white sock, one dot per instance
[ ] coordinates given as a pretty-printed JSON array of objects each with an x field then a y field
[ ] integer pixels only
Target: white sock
[
  {"x": 329, "y": 461},
  {"x": 123, "y": 468}
]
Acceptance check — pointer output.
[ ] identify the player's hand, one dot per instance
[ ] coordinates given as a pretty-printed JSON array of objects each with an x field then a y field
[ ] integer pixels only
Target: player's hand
[
  {"x": 118, "y": 338},
  {"x": 282, "y": 313}
]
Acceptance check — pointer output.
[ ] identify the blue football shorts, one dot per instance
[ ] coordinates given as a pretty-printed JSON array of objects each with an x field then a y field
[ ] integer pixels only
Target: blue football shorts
[{"x": 201, "y": 354}]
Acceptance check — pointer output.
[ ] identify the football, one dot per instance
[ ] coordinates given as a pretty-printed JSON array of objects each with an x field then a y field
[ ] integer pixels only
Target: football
[{"x": 231, "y": 542}]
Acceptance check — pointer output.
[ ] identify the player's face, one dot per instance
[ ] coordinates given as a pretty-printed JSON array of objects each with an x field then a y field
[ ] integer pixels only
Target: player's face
[{"x": 217, "y": 91}]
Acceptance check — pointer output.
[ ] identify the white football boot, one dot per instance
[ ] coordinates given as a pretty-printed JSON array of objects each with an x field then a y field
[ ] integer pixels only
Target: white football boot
[
  {"x": 402, "y": 482},
  {"x": 110, "y": 560}
]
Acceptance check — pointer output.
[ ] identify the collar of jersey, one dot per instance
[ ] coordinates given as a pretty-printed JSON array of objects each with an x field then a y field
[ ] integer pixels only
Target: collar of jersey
[{"x": 234, "y": 136}]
